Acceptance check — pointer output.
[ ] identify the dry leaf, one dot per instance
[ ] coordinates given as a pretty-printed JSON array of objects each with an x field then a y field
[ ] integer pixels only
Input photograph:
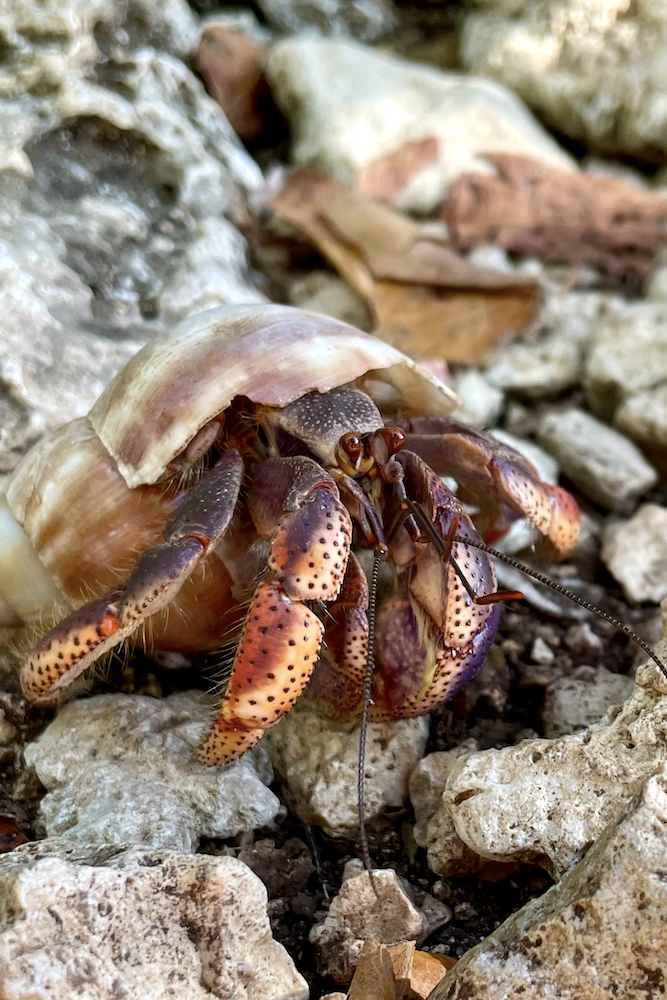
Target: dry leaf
[
  {"x": 232, "y": 69},
  {"x": 397, "y": 248},
  {"x": 374, "y": 976},
  {"x": 459, "y": 326},
  {"x": 402, "y": 956},
  {"x": 402, "y": 268},
  {"x": 11, "y": 835},
  {"x": 385, "y": 178},
  {"x": 299, "y": 204},
  {"x": 427, "y": 971},
  {"x": 557, "y": 215},
  {"x": 417, "y": 973}
]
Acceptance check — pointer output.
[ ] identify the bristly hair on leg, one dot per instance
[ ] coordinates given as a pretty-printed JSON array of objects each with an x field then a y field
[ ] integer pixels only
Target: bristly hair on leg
[{"x": 379, "y": 558}]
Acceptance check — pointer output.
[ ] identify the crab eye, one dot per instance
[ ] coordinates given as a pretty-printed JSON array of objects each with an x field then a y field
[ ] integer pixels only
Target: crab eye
[
  {"x": 352, "y": 447},
  {"x": 397, "y": 439}
]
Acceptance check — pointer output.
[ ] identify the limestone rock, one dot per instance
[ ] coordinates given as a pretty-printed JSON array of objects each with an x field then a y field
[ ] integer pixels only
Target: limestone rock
[
  {"x": 546, "y": 801},
  {"x": 594, "y": 70},
  {"x": 580, "y": 699},
  {"x": 604, "y": 464},
  {"x": 107, "y": 922},
  {"x": 122, "y": 769},
  {"x": 366, "y": 20},
  {"x": 317, "y": 760},
  {"x": 480, "y": 402},
  {"x": 113, "y": 163},
  {"x": 51, "y": 369},
  {"x": 552, "y": 358},
  {"x": 628, "y": 353},
  {"x": 643, "y": 416},
  {"x": 599, "y": 934},
  {"x": 348, "y": 106},
  {"x": 323, "y": 292},
  {"x": 434, "y": 827},
  {"x": 356, "y": 914},
  {"x": 635, "y": 553}
]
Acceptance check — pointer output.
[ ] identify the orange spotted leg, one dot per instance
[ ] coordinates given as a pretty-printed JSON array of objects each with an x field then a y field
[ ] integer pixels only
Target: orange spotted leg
[
  {"x": 338, "y": 683},
  {"x": 158, "y": 574},
  {"x": 296, "y": 503}
]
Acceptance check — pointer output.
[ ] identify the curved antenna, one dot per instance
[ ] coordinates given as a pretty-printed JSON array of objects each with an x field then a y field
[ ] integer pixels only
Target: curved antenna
[
  {"x": 380, "y": 556},
  {"x": 567, "y": 593},
  {"x": 444, "y": 548}
]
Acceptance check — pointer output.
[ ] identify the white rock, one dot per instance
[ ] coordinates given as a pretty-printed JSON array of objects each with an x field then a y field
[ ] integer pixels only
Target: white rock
[
  {"x": 628, "y": 353},
  {"x": 643, "y": 416},
  {"x": 122, "y": 769},
  {"x": 427, "y": 783},
  {"x": 580, "y": 699},
  {"x": 50, "y": 369},
  {"x": 324, "y": 292},
  {"x": 599, "y": 934},
  {"x": 656, "y": 286},
  {"x": 541, "y": 653},
  {"x": 551, "y": 358},
  {"x": 594, "y": 69},
  {"x": 546, "y": 801},
  {"x": 123, "y": 161},
  {"x": 604, "y": 464},
  {"x": 356, "y": 914},
  {"x": 102, "y": 923},
  {"x": 348, "y": 105},
  {"x": 583, "y": 641},
  {"x": 480, "y": 403},
  {"x": 210, "y": 274},
  {"x": 434, "y": 827},
  {"x": 317, "y": 761},
  {"x": 366, "y": 20},
  {"x": 635, "y": 553}
]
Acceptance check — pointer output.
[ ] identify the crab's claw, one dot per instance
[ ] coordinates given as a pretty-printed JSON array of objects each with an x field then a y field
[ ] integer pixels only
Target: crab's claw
[
  {"x": 498, "y": 480},
  {"x": 294, "y": 502}
]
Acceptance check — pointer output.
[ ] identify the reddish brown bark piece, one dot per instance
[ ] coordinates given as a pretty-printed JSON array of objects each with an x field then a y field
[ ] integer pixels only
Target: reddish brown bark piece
[
  {"x": 232, "y": 69},
  {"x": 557, "y": 215}
]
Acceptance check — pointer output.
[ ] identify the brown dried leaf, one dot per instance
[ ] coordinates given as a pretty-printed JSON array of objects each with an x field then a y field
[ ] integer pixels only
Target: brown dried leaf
[
  {"x": 461, "y": 326},
  {"x": 232, "y": 69},
  {"x": 11, "y": 835},
  {"x": 385, "y": 178},
  {"x": 397, "y": 248},
  {"x": 402, "y": 270},
  {"x": 427, "y": 971},
  {"x": 558, "y": 215},
  {"x": 374, "y": 975},
  {"x": 299, "y": 203}
]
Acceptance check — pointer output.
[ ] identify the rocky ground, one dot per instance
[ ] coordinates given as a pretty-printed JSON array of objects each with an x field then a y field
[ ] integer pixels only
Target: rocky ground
[{"x": 482, "y": 184}]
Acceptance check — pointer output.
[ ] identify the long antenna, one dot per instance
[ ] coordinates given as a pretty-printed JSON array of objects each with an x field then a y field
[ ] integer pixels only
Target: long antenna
[
  {"x": 566, "y": 593},
  {"x": 379, "y": 558}
]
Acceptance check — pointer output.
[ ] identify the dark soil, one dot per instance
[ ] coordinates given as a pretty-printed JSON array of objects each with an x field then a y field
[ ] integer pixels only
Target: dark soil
[{"x": 302, "y": 867}]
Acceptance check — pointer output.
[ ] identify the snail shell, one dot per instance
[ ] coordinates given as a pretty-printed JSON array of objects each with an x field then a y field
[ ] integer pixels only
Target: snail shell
[{"x": 84, "y": 502}]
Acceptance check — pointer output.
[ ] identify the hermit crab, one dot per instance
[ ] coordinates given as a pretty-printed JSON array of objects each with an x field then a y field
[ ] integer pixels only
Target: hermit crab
[{"x": 231, "y": 482}]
